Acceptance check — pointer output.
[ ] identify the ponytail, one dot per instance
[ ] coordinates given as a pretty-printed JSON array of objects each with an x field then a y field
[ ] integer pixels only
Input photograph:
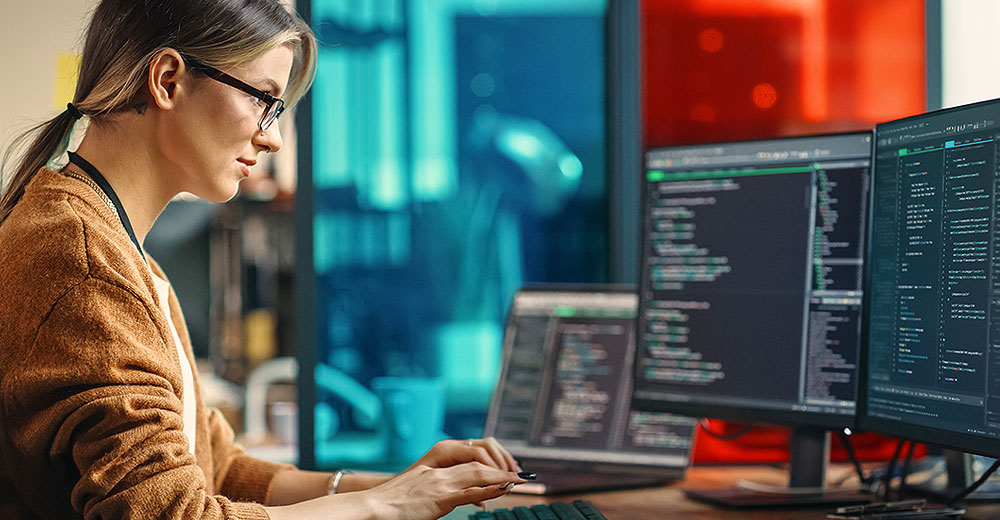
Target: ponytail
[{"x": 51, "y": 138}]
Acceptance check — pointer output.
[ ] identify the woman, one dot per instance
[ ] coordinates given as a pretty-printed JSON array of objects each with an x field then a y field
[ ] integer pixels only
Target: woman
[{"x": 100, "y": 413}]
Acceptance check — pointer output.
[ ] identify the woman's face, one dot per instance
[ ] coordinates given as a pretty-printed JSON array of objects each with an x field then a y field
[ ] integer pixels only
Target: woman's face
[{"x": 215, "y": 137}]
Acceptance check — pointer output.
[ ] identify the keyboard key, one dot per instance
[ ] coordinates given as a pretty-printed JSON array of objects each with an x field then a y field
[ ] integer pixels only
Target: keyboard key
[
  {"x": 578, "y": 510},
  {"x": 588, "y": 510},
  {"x": 566, "y": 512},
  {"x": 544, "y": 513},
  {"x": 504, "y": 514}
]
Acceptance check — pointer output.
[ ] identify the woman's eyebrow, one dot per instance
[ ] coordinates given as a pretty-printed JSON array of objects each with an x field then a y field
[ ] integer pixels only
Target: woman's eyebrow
[{"x": 270, "y": 84}]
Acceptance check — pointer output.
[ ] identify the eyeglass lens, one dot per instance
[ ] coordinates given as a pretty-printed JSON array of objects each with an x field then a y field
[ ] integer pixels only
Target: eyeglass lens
[{"x": 272, "y": 112}]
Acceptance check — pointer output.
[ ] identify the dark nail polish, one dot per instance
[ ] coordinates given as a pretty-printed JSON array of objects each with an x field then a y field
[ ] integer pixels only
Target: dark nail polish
[{"x": 527, "y": 476}]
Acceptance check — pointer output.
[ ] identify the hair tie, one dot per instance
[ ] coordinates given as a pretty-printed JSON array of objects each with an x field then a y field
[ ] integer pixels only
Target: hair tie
[{"x": 73, "y": 111}]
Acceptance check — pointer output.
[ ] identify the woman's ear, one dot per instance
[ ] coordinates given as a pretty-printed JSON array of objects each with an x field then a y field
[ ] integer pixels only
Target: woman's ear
[{"x": 165, "y": 73}]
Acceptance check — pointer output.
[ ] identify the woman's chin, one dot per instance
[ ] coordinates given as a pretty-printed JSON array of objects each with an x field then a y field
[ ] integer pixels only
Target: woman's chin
[
  {"x": 225, "y": 192},
  {"x": 233, "y": 194}
]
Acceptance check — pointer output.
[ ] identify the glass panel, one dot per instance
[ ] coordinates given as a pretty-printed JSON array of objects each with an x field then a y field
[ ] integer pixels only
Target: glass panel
[
  {"x": 966, "y": 38},
  {"x": 458, "y": 154}
]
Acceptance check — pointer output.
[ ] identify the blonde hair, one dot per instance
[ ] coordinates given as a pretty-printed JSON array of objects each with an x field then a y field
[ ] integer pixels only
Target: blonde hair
[{"x": 123, "y": 38}]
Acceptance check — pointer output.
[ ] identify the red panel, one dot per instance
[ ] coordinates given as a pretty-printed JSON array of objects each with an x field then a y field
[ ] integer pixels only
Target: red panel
[
  {"x": 824, "y": 65},
  {"x": 769, "y": 444},
  {"x": 691, "y": 94},
  {"x": 735, "y": 69}
]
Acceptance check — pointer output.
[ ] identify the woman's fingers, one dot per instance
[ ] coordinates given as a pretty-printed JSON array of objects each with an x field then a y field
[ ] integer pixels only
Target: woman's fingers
[
  {"x": 423, "y": 491},
  {"x": 482, "y": 494},
  {"x": 477, "y": 482},
  {"x": 482, "y": 452},
  {"x": 498, "y": 456},
  {"x": 498, "y": 451},
  {"x": 487, "y": 451},
  {"x": 477, "y": 474}
]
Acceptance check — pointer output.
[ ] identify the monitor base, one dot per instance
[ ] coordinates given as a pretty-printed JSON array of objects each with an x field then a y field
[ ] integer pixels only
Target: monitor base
[
  {"x": 959, "y": 475},
  {"x": 809, "y": 453},
  {"x": 944, "y": 494}
]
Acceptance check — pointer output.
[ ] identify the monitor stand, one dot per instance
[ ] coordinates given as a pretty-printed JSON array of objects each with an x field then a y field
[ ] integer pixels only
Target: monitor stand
[
  {"x": 958, "y": 470},
  {"x": 809, "y": 451}
]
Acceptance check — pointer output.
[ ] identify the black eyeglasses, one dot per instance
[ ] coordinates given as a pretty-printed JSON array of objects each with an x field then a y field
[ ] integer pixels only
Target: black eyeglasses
[{"x": 273, "y": 107}]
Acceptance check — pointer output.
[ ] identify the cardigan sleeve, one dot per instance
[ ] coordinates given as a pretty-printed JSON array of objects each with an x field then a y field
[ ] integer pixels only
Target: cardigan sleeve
[
  {"x": 91, "y": 416},
  {"x": 238, "y": 475}
]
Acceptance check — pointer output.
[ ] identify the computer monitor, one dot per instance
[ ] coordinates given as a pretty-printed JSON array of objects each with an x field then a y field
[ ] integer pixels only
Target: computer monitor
[
  {"x": 750, "y": 285},
  {"x": 932, "y": 331}
]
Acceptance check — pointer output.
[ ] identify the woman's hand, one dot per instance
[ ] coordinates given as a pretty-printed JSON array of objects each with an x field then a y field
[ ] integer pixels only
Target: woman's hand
[
  {"x": 451, "y": 474},
  {"x": 486, "y": 451},
  {"x": 424, "y": 493},
  {"x": 419, "y": 493}
]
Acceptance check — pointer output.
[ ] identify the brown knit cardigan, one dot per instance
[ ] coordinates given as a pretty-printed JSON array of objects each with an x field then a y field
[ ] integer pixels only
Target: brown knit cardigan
[{"x": 90, "y": 382}]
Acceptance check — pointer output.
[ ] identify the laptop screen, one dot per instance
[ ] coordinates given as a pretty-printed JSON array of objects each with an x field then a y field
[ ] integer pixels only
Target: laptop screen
[{"x": 565, "y": 387}]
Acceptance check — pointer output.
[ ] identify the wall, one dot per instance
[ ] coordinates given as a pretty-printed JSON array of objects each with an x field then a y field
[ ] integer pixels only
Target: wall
[
  {"x": 969, "y": 47},
  {"x": 32, "y": 36}
]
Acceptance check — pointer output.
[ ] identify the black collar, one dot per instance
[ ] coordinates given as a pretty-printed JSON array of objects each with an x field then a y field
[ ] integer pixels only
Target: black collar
[{"x": 106, "y": 188}]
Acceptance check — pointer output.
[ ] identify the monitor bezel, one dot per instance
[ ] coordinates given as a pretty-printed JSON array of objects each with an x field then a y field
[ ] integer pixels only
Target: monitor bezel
[
  {"x": 581, "y": 463},
  {"x": 763, "y": 415},
  {"x": 966, "y": 442}
]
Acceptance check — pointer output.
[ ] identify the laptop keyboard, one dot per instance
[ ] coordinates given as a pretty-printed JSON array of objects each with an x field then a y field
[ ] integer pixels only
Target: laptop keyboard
[{"x": 577, "y": 510}]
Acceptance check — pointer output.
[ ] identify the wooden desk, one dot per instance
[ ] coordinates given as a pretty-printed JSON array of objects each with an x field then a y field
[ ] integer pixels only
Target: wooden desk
[{"x": 669, "y": 502}]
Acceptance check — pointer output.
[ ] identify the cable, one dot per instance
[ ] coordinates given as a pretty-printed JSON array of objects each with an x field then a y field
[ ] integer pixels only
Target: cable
[
  {"x": 975, "y": 485},
  {"x": 891, "y": 467},
  {"x": 845, "y": 441},
  {"x": 906, "y": 468},
  {"x": 724, "y": 436}
]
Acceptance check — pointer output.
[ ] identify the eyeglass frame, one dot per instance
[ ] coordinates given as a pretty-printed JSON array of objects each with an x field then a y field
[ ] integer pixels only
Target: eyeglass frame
[{"x": 222, "y": 77}]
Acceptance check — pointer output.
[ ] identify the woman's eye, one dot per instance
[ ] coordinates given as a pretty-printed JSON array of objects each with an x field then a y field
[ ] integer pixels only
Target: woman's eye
[{"x": 260, "y": 102}]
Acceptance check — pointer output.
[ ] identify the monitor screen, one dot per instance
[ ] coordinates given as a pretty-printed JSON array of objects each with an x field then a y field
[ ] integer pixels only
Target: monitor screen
[
  {"x": 565, "y": 385},
  {"x": 933, "y": 332},
  {"x": 750, "y": 300}
]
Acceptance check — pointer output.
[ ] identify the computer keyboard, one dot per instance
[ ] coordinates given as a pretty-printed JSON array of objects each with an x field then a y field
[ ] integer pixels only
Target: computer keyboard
[{"x": 577, "y": 510}]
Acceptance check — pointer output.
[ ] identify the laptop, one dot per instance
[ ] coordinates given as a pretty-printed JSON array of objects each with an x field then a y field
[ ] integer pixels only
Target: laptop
[{"x": 562, "y": 406}]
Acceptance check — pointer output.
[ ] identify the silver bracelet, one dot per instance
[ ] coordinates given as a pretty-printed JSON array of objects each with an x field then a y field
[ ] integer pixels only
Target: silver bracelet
[{"x": 334, "y": 483}]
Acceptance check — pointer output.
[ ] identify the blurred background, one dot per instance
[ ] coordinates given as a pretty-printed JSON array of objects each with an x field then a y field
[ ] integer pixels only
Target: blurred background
[{"x": 348, "y": 306}]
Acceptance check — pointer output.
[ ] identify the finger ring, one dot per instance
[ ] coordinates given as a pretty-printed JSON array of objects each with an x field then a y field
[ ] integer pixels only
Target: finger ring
[{"x": 468, "y": 442}]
